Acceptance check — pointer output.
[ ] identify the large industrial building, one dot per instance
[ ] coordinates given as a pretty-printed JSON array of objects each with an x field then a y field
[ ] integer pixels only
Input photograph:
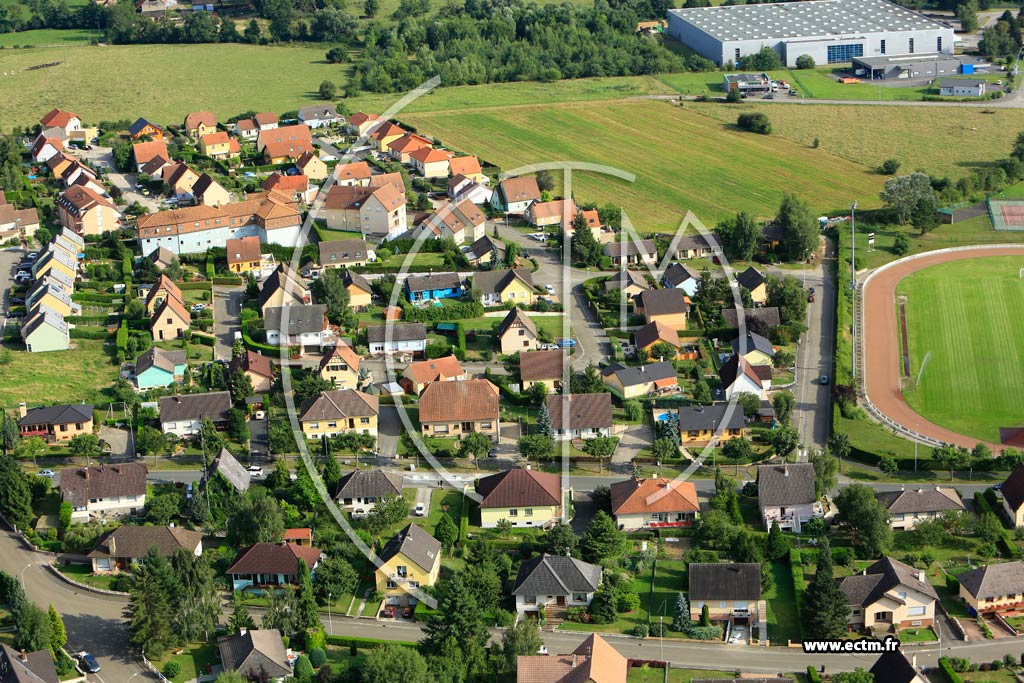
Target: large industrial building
[{"x": 830, "y": 31}]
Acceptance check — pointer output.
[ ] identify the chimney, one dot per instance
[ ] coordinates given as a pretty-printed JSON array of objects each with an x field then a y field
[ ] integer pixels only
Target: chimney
[
  {"x": 785, "y": 470},
  {"x": 112, "y": 545},
  {"x": 242, "y": 631},
  {"x": 22, "y": 410},
  {"x": 920, "y": 576},
  {"x": 913, "y": 661},
  {"x": 573, "y": 659},
  {"x": 24, "y": 656},
  {"x": 87, "y": 473}
]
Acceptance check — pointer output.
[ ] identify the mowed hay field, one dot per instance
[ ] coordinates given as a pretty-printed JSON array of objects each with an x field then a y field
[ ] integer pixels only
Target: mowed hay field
[
  {"x": 683, "y": 161},
  {"x": 969, "y": 315},
  {"x": 939, "y": 140},
  {"x": 160, "y": 82}
]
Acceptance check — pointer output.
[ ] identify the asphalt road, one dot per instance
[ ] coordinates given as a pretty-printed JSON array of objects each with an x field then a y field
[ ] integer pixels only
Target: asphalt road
[
  {"x": 227, "y": 307},
  {"x": 103, "y": 157}
]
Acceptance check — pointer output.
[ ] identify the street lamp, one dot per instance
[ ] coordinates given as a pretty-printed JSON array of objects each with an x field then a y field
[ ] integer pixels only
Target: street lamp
[
  {"x": 330, "y": 619},
  {"x": 23, "y": 574}
]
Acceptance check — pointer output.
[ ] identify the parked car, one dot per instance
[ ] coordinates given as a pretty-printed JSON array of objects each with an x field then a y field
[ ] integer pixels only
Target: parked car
[
  {"x": 261, "y": 415},
  {"x": 199, "y": 308},
  {"x": 420, "y": 510},
  {"x": 407, "y": 612},
  {"x": 550, "y": 289},
  {"x": 539, "y": 236},
  {"x": 254, "y": 470},
  {"x": 824, "y": 379},
  {"x": 88, "y": 662},
  {"x": 389, "y": 612},
  {"x": 32, "y": 254},
  {"x": 566, "y": 343},
  {"x": 47, "y": 473},
  {"x": 17, "y": 301}
]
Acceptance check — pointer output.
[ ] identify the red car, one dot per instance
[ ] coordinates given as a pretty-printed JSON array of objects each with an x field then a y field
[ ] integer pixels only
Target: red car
[{"x": 389, "y": 612}]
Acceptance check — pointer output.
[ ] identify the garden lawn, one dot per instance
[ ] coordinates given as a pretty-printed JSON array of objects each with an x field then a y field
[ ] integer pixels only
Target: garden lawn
[
  {"x": 783, "y": 618},
  {"x": 638, "y": 675},
  {"x": 170, "y": 88},
  {"x": 917, "y": 635},
  {"x": 82, "y": 573},
  {"x": 960, "y": 316},
  {"x": 625, "y": 623},
  {"x": 682, "y": 161},
  {"x": 59, "y": 376},
  {"x": 46, "y": 38},
  {"x": 194, "y": 660}
]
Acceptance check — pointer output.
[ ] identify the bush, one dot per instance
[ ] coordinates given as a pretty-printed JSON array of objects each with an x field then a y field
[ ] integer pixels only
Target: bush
[
  {"x": 580, "y": 616},
  {"x": 641, "y": 630},
  {"x": 172, "y": 669},
  {"x": 812, "y": 675},
  {"x": 805, "y": 62},
  {"x": 947, "y": 669},
  {"x": 901, "y": 246},
  {"x": 315, "y": 638},
  {"x": 317, "y": 657},
  {"x": 755, "y": 122},
  {"x": 706, "y": 632},
  {"x": 627, "y": 601},
  {"x": 890, "y": 166}
]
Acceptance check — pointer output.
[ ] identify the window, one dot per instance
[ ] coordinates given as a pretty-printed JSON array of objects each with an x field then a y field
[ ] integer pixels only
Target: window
[
  {"x": 881, "y": 48},
  {"x": 579, "y": 597},
  {"x": 414, "y": 584},
  {"x": 314, "y": 425},
  {"x": 392, "y": 584},
  {"x": 485, "y": 425},
  {"x": 528, "y": 512},
  {"x": 722, "y": 604},
  {"x": 332, "y": 425},
  {"x": 530, "y": 599},
  {"x": 402, "y": 571},
  {"x": 513, "y": 512},
  {"x": 440, "y": 429},
  {"x": 916, "y": 611},
  {"x": 63, "y": 428},
  {"x": 364, "y": 420},
  {"x": 911, "y": 50},
  {"x": 938, "y": 44},
  {"x": 839, "y": 54},
  {"x": 737, "y": 59}
]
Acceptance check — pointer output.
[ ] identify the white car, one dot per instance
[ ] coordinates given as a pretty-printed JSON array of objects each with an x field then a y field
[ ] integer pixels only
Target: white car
[
  {"x": 550, "y": 288},
  {"x": 254, "y": 470},
  {"x": 260, "y": 415},
  {"x": 47, "y": 473},
  {"x": 420, "y": 510},
  {"x": 539, "y": 236}
]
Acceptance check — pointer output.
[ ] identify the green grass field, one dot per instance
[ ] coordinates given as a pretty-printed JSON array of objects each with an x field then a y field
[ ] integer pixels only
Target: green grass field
[
  {"x": 234, "y": 78},
  {"x": 46, "y": 37},
  {"x": 966, "y": 315},
  {"x": 77, "y": 375},
  {"x": 683, "y": 161}
]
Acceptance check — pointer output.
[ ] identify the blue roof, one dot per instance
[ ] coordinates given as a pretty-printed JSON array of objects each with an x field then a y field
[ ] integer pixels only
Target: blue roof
[
  {"x": 139, "y": 124},
  {"x": 447, "y": 327}
]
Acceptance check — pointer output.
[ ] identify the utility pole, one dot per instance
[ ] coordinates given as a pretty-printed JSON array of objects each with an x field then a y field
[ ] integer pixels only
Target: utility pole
[{"x": 853, "y": 267}]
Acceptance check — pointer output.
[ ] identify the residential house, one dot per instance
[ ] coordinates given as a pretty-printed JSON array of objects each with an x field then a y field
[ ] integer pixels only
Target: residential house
[
  {"x": 59, "y": 163},
  {"x": 751, "y": 280},
  {"x": 72, "y": 243},
  {"x": 667, "y": 306},
  {"x": 244, "y": 254},
  {"x": 556, "y": 213},
  {"x": 360, "y": 124},
  {"x": 514, "y": 195},
  {"x": 52, "y": 296},
  {"x": 963, "y": 87},
  {"x": 889, "y": 594},
  {"x": 516, "y": 333},
  {"x": 86, "y": 212},
  {"x": 430, "y": 162},
  {"x": 145, "y": 152},
  {"x": 731, "y": 591},
  {"x": 67, "y": 121},
  {"x": 654, "y": 333},
  {"x": 183, "y": 415},
  {"x": 462, "y": 222},
  {"x": 593, "y": 223},
  {"x": 993, "y": 588},
  {"x": 157, "y": 367},
  {"x": 265, "y": 121},
  {"x": 355, "y": 173},
  {"x": 467, "y": 167},
  {"x": 45, "y": 148},
  {"x": 639, "y": 504},
  {"x": 208, "y": 192},
  {"x": 233, "y": 472},
  {"x": 907, "y": 508},
  {"x": 384, "y": 133},
  {"x": 550, "y": 584},
  {"x": 161, "y": 258},
  {"x": 246, "y": 129},
  {"x": 501, "y": 286},
  {"x": 27, "y": 667},
  {"x": 45, "y": 330},
  {"x": 339, "y": 411},
  {"x": 893, "y": 667},
  {"x": 766, "y": 317},
  {"x": 104, "y": 491},
  {"x": 55, "y": 261},
  {"x": 302, "y": 536},
  {"x": 454, "y": 409},
  {"x": 395, "y": 180},
  {"x": 360, "y": 292},
  {"x": 296, "y": 187},
  {"x": 580, "y": 416},
  {"x": 163, "y": 288},
  {"x": 682, "y": 277},
  {"x": 632, "y": 252},
  {"x": 594, "y": 661},
  {"x": 312, "y": 166},
  {"x": 755, "y": 349},
  {"x": 340, "y": 366},
  {"x": 738, "y": 376},
  {"x": 523, "y": 497},
  {"x": 55, "y": 423},
  {"x": 257, "y": 654},
  {"x": 169, "y": 320},
  {"x": 377, "y": 212},
  {"x": 359, "y": 491},
  {"x": 694, "y": 246},
  {"x": 200, "y": 123},
  {"x": 270, "y": 564},
  {"x": 1012, "y": 493},
  {"x": 17, "y": 222},
  {"x": 410, "y": 560},
  {"x": 401, "y": 149},
  {"x": 143, "y": 128},
  {"x": 547, "y": 366},
  {"x": 630, "y": 283},
  {"x": 432, "y": 287},
  {"x": 698, "y": 425},
  {"x": 284, "y": 144},
  {"x": 271, "y": 216},
  {"x": 418, "y": 375},
  {"x": 283, "y": 287},
  {"x": 486, "y": 251},
  {"x": 219, "y": 146},
  {"x": 639, "y": 381},
  {"x": 786, "y": 494},
  {"x": 408, "y": 338},
  {"x": 303, "y": 326},
  {"x": 57, "y": 278},
  {"x": 461, "y": 188},
  {"x": 119, "y": 550},
  {"x": 257, "y": 367},
  {"x": 320, "y": 116},
  {"x": 77, "y": 173}
]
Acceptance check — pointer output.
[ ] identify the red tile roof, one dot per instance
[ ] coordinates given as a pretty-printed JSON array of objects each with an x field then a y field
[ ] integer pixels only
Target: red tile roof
[{"x": 517, "y": 487}]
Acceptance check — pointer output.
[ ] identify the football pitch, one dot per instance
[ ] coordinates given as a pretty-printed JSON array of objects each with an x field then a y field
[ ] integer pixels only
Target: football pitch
[{"x": 965, "y": 325}]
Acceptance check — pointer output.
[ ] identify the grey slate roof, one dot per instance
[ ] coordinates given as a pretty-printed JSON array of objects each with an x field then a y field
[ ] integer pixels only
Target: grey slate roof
[
  {"x": 920, "y": 500},
  {"x": 624, "y": 279},
  {"x": 556, "y": 575},
  {"x": 755, "y": 342},
  {"x": 791, "y": 484},
  {"x": 338, "y": 404},
  {"x": 301, "y": 319},
  {"x": 228, "y": 467},
  {"x": 769, "y": 315},
  {"x": 1013, "y": 487},
  {"x": 750, "y": 278},
  {"x": 580, "y": 411},
  {"x": 724, "y": 581},
  {"x": 710, "y": 417},
  {"x": 677, "y": 273},
  {"x": 214, "y": 404},
  {"x": 663, "y": 302},
  {"x": 881, "y": 577},
  {"x": 57, "y": 415},
  {"x": 516, "y": 315},
  {"x": 893, "y": 667},
  {"x": 326, "y": 112},
  {"x": 343, "y": 251},
  {"x": 485, "y": 245},
  {"x": 495, "y": 281},
  {"x": 416, "y": 544},
  {"x": 640, "y": 375},
  {"x": 631, "y": 248},
  {"x": 159, "y": 358},
  {"x": 77, "y": 486},
  {"x": 369, "y": 484},
  {"x": 36, "y": 667},
  {"x": 962, "y": 82},
  {"x": 431, "y": 281},
  {"x": 352, "y": 278},
  {"x": 994, "y": 580},
  {"x": 255, "y": 654},
  {"x": 399, "y": 332}
]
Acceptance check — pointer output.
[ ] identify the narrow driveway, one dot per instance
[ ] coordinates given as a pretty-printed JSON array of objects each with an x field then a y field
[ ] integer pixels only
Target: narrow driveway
[
  {"x": 227, "y": 309},
  {"x": 103, "y": 157},
  {"x": 259, "y": 438},
  {"x": 389, "y": 426}
]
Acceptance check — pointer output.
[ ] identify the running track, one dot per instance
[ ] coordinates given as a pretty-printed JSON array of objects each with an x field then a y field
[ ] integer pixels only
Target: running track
[{"x": 881, "y": 341}]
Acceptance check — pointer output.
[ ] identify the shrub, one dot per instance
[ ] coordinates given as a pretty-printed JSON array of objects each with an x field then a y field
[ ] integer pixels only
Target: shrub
[
  {"x": 706, "y": 632},
  {"x": 901, "y": 246},
  {"x": 890, "y": 166},
  {"x": 805, "y": 62},
  {"x": 641, "y": 630},
  {"x": 812, "y": 675},
  {"x": 580, "y": 616},
  {"x": 947, "y": 668},
  {"x": 317, "y": 657},
  {"x": 172, "y": 669},
  {"x": 627, "y": 601},
  {"x": 755, "y": 122}
]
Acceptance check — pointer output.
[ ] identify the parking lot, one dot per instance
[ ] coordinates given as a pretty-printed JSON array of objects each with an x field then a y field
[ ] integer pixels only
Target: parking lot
[{"x": 9, "y": 260}]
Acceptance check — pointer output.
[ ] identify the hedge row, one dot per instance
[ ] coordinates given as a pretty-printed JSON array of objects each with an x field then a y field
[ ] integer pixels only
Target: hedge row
[
  {"x": 88, "y": 333},
  {"x": 227, "y": 280},
  {"x": 982, "y": 503},
  {"x": 366, "y": 643},
  {"x": 194, "y": 285},
  {"x": 256, "y": 346},
  {"x": 87, "y": 297},
  {"x": 392, "y": 270},
  {"x": 947, "y": 670},
  {"x": 111, "y": 319},
  {"x": 204, "y": 339},
  {"x": 456, "y": 311},
  {"x": 796, "y": 569},
  {"x": 122, "y": 337},
  {"x": 812, "y": 674}
]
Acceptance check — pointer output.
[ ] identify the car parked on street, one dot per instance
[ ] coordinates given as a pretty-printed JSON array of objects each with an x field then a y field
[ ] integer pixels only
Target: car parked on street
[
  {"x": 47, "y": 473},
  {"x": 88, "y": 662}
]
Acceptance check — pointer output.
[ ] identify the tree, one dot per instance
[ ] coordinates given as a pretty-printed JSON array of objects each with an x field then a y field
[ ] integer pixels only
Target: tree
[
  {"x": 304, "y": 672},
  {"x": 705, "y": 616},
  {"x": 782, "y": 403},
  {"x": 901, "y": 244},
  {"x": 475, "y": 445},
  {"x": 887, "y": 464},
  {"x": 84, "y": 445},
  {"x": 391, "y": 662},
  {"x": 785, "y": 439},
  {"x": 241, "y": 386},
  {"x": 459, "y": 616},
  {"x": 665, "y": 448},
  {"x": 788, "y": 294},
  {"x": 561, "y": 540},
  {"x": 967, "y": 13},
  {"x": 536, "y": 447},
  {"x": 951, "y": 457},
  {"x": 890, "y": 166},
  {"x": 328, "y": 90},
  {"x": 521, "y": 639},
  {"x": 903, "y": 192},
  {"x": 826, "y": 610},
  {"x": 252, "y": 33},
  {"x": 826, "y": 470},
  {"x": 197, "y": 601},
  {"x": 866, "y": 517},
  {"x": 603, "y": 540},
  {"x": 240, "y": 618},
  {"x": 799, "y": 226},
  {"x": 32, "y": 447},
  {"x": 504, "y": 527},
  {"x": 750, "y": 403},
  {"x": 238, "y": 428},
  {"x": 924, "y": 216},
  {"x": 161, "y": 508},
  {"x": 281, "y": 438},
  {"x": 335, "y": 576},
  {"x": 701, "y": 392},
  {"x": 741, "y": 236},
  {"x": 839, "y": 445},
  {"x": 150, "y": 441},
  {"x": 805, "y": 62},
  {"x": 58, "y": 634},
  {"x": 331, "y": 473},
  {"x": 149, "y": 611},
  {"x": 446, "y": 532},
  {"x": 755, "y": 122},
  {"x": 988, "y": 527},
  {"x": 545, "y": 182},
  {"x": 387, "y": 512},
  {"x": 32, "y": 628},
  {"x": 776, "y": 547},
  {"x": 336, "y": 55},
  {"x": 329, "y": 289},
  {"x": 585, "y": 247},
  {"x": 634, "y": 411},
  {"x": 256, "y": 518},
  {"x": 281, "y": 609},
  {"x": 738, "y": 450},
  {"x": 9, "y": 433},
  {"x": 600, "y": 447},
  {"x": 306, "y": 615},
  {"x": 370, "y": 8},
  {"x": 765, "y": 59},
  {"x": 15, "y": 492}
]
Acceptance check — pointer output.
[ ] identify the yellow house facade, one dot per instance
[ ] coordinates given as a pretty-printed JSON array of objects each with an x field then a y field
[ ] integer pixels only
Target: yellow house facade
[
  {"x": 993, "y": 588},
  {"x": 410, "y": 560},
  {"x": 697, "y": 424},
  {"x": 526, "y": 498},
  {"x": 340, "y": 411}
]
